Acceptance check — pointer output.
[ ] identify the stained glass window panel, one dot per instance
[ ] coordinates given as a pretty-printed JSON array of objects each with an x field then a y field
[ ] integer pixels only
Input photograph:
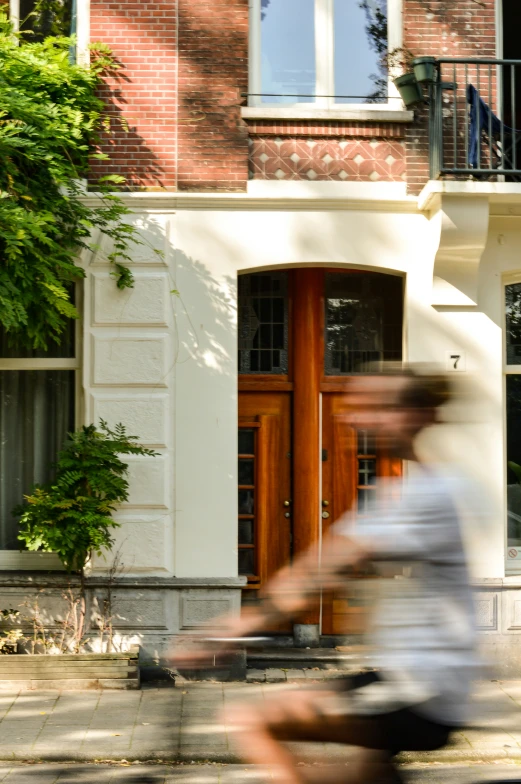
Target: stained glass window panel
[
  {"x": 246, "y": 532},
  {"x": 247, "y": 562},
  {"x": 263, "y": 323},
  {"x": 246, "y": 441},
  {"x": 246, "y": 472},
  {"x": 363, "y": 321}
]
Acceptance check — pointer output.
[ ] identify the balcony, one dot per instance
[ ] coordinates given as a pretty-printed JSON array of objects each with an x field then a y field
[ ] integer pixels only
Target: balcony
[{"x": 474, "y": 117}]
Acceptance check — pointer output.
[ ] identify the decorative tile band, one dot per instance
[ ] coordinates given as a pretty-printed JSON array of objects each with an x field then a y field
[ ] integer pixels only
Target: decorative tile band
[{"x": 327, "y": 159}]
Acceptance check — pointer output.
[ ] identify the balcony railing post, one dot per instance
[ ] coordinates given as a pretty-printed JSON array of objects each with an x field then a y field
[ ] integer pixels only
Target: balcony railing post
[
  {"x": 434, "y": 164},
  {"x": 435, "y": 129}
]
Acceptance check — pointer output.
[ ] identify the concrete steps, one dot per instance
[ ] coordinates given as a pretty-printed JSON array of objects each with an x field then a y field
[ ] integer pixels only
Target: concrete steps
[{"x": 348, "y": 658}]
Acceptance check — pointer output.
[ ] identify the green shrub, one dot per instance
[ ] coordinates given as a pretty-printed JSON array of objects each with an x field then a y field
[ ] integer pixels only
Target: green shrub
[
  {"x": 72, "y": 516},
  {"x": 50, "y": 120}
]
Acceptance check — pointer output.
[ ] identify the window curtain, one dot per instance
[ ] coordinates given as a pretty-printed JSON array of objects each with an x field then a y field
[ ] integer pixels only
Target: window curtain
[{"x": 36, "y": 413}]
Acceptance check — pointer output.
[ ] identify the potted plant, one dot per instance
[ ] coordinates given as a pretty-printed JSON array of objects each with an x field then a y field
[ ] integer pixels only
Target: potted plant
[
  {"x": 72, "y": 517},
  {"x": 424, "y": 69},
  {"x": 400, "y": 59}
]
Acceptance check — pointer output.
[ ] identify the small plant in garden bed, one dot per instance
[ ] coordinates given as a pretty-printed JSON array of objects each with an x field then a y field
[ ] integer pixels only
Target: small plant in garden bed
[{"x": 72, "y": 516}]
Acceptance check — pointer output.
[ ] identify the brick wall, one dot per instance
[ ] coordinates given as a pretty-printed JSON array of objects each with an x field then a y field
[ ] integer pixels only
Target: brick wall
[
  {"x": 142, "y": 35},
  {"x": 442, "y": 28},
  {"x": 213, "y": 72},
  {"x": 184, "y": 67}
]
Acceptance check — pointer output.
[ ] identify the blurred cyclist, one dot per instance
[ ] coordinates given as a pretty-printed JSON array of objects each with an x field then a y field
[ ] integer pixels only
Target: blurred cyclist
[{"x": 422, "y": 637}]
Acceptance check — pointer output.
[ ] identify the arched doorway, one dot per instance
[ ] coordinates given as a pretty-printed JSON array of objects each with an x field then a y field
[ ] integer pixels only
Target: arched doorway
[{"x": 303, "y": 334}]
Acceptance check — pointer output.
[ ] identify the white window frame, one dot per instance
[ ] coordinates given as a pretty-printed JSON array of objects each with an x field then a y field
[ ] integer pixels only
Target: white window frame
[
  {"x": 13, "y": 559},
  {"x": 512, "y": 566},
  {"x": 324, "y": 48}
]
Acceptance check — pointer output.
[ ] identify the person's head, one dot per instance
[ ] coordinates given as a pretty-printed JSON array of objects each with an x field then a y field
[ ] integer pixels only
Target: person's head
[{"x": 398, "y": 403}]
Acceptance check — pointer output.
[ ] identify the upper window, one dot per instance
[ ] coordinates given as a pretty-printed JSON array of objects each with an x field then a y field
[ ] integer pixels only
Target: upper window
[{"x": 323, "y": 53}]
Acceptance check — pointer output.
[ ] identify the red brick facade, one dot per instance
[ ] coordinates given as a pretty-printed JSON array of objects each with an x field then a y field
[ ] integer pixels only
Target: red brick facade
[
  {"x": 213, "y": 72},
  {"x": 182, "y": 83},
  {"x": 184, "y": 67},
  {"x": 143, "y": 37}
]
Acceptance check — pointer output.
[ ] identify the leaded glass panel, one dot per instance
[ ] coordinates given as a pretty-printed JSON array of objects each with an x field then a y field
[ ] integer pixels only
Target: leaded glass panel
[
  {"x": 263, "y": 323},
  {"x": 363, "y": 321},
  {"x": 247, "y": 552},
  {"x": 367, "y": 474}
]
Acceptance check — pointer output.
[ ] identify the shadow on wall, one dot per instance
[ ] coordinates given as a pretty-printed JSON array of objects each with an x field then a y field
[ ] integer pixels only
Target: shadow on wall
[
  {"x": 206, "y": 317},
  {"x": 192, "y": 140},
  {"x": 213, "y": 72},
  {"x": 129, "y": 154}
]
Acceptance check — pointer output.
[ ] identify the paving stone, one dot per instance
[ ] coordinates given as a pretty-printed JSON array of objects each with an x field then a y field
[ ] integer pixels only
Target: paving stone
[
  {"x": 196, "y": 725},
  {"x": 275, "y": 676},
  {"x": 255, "y": 676}
]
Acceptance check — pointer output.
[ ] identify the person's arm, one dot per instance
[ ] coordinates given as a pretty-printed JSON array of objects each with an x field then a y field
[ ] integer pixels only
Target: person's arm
[{"x": 296, "y": 587}]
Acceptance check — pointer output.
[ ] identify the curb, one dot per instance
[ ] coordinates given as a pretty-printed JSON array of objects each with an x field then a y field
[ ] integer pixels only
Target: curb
[{"x": 445, "y": 756}]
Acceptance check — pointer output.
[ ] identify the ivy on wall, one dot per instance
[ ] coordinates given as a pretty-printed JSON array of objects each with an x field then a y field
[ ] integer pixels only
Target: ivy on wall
[{"x": 50, "y": 118}]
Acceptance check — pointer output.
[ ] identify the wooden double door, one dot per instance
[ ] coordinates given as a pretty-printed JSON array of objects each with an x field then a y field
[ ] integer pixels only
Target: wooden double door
[{"x": 303, "y": 335}]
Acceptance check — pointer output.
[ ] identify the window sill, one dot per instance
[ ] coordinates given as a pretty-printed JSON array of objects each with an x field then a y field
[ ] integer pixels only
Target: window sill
[
  {"x": 14, "y": 560},
  {"x": 376, "y": 114}
]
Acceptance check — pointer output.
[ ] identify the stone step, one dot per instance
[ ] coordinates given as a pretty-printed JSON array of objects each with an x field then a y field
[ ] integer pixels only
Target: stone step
[{"x": 306, "y": 658}]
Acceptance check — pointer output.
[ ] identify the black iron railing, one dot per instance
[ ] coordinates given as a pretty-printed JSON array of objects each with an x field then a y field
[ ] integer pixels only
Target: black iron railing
[{"x": 475, "y": 119}]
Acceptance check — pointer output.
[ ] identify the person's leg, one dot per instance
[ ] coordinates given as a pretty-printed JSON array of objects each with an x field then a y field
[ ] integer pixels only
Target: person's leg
[{"x": 296, "y": 715}]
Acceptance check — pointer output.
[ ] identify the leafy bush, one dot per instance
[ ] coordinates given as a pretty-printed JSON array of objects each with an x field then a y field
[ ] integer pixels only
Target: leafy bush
[
  {"x": 72, "y": 516},
  {"x": 50, "y": 119}
]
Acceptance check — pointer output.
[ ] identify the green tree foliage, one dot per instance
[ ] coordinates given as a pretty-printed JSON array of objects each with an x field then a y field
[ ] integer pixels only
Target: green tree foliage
[
  {"x": 72, "y": 516},
  {"x": 50, "y": 119}
]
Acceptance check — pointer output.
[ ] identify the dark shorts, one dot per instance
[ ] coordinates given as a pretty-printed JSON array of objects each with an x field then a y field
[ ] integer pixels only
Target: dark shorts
[{"x": 405, "y": 729}]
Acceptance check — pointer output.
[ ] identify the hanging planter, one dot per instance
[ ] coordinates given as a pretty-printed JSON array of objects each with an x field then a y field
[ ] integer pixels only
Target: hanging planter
[
  {"x": 409, "y": 89},
  {"x": 424, "y": 69}
]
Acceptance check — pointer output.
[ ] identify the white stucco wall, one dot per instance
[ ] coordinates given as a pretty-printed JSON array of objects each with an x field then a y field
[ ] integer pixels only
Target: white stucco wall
[
  {"x": 165, "y": 365},
  {"x": 128, "y": 377}
]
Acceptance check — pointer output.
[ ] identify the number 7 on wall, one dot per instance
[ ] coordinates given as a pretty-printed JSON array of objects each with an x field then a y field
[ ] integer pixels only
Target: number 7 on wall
[{"x": 455, "y": 361}]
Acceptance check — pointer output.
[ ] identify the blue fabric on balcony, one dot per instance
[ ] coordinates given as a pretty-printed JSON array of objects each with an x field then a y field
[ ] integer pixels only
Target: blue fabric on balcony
[{"x": 482, "y": 119}]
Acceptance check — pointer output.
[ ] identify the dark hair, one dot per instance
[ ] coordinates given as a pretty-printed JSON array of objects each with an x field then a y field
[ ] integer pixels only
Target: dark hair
[
  {"x": 425, "y": 390},
  {"x": 427, "y": 387}
]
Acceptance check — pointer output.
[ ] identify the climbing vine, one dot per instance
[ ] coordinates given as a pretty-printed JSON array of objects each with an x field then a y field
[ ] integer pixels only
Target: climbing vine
[{"x": 50, "y": 119}]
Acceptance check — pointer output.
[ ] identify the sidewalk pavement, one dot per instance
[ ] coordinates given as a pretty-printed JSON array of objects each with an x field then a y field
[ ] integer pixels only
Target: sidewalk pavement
[{"x": 188, "y": 724}]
